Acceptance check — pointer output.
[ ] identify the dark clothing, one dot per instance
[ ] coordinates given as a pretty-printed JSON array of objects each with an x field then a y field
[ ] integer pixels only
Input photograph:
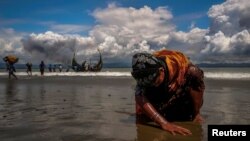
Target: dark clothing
[
  {"x": 54, "y": 68},
  {"x": 29, "y": 68},
  {"x": 60, "y": 68},
  {"x": 11, "y": 69},
  {"x": 176, "y": 105},
  {"x": 42, "y": 67},
  {"x": 50, "y": 68}
]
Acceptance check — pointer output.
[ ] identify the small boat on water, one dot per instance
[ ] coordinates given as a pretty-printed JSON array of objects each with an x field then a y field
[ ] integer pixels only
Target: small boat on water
[{"x": 84, "y": 67}]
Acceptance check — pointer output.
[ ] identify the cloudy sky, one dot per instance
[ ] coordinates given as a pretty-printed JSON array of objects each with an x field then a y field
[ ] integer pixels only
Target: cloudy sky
[{"x": 208, "y": 31}]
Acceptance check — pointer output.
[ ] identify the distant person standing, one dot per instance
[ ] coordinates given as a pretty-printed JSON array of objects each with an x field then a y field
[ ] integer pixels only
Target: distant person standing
[
  {"x": 67, "y": 70},
  {"x": 54, "y": 68},
  {"x": 29, "y": 68},
  {"x": 60, "y": 68},
  {"x": 50, "y": 68},
  {"x": 42, "y": 67},
  {"x": 11, "y": 69}
]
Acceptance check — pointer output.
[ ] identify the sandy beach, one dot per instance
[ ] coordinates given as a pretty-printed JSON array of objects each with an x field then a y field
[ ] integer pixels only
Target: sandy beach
[
  {"x": 65, "y": 108},
  {"x": 99, "y": 108}
]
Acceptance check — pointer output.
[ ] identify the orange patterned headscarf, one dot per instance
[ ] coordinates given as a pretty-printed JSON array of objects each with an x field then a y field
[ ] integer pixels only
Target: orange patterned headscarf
[{"x": 177, "y": 64}]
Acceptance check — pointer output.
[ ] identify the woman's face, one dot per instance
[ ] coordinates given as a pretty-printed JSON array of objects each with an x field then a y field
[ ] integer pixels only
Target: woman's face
[{"x": 160, "y": 78}]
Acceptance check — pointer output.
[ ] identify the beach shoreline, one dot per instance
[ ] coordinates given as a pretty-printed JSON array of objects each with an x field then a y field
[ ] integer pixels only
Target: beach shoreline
[{"x": 102, "y": 108}]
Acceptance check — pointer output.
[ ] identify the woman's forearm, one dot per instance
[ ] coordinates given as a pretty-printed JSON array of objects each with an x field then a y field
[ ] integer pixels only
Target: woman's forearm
[
  {"x": 150, "y": 111},
  {"x": 153, "y": 114}
]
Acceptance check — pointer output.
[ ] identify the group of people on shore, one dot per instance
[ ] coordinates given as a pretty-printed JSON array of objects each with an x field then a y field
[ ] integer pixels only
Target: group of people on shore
[
  {"x": 52, "y": 68},
  {"x": 11, "y": 68}
]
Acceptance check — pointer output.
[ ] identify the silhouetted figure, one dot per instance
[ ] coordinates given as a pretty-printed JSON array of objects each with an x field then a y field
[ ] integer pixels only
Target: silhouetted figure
[
  {"x": 11, "y": 69},
  {"x": 60, "y": 68},
  {"x": 50, "y": 68},
  {"x": 42, "y": 67},
  {"x": 67, "y": 70},
  {"x": 54, "y": 68},
  {"x": 29, "y": 68}
]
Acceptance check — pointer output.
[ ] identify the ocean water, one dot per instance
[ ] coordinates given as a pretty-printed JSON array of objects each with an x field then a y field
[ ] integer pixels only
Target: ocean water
[
  {"x": 210, "y": 73},
  {"x": 71, "y": 106}
]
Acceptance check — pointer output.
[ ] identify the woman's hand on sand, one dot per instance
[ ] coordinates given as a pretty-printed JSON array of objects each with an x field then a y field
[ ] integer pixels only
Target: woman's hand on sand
[{"x": 173, "y": 129}]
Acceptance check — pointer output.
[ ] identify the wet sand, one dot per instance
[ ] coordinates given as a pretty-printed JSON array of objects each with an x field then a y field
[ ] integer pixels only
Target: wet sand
[{"x": 70, "y": 108}]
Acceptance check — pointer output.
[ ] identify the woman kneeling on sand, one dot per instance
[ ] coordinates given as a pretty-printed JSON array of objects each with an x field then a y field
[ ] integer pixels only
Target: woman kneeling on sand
[{"x": 169, "y": 88}]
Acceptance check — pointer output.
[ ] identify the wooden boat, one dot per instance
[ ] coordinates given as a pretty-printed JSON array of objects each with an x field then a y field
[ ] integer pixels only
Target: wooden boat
[{"x": 87, "y": 67}]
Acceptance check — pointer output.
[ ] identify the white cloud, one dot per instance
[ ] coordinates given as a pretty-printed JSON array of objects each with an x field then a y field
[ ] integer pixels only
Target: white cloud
[
  {"x": 218, "y": 43},
  {"x": 229, "y": 32},
  {"x": 191, "y": 42},
  {"x": 128, "y": 23},
  {"x": 122, "y": 31},
  {"x": 230, "y": 17},
  {"x": 10, "y": 42}
]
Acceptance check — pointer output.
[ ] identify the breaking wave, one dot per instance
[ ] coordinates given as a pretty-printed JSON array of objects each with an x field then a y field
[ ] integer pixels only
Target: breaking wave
[
  {"x": 209, "y": 75},
  {"x": 117, "y": 74},
  {"x": 227, "y": 75}
]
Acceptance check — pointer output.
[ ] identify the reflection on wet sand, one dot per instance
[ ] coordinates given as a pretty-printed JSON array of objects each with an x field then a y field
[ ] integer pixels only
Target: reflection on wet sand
[
  {"x": 102, "y": 109},
  {"x": 10, "y": 90},
  {"x": 152, "y": 132}
]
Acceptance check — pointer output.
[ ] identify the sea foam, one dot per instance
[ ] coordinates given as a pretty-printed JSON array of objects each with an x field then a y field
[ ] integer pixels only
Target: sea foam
[{"x": 210, "y": 75}]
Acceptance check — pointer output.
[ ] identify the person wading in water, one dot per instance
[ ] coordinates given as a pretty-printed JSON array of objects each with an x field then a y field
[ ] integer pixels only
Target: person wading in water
[
  {"x": 11, "y": 69},
  {"x": 42, "y": 67}
]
